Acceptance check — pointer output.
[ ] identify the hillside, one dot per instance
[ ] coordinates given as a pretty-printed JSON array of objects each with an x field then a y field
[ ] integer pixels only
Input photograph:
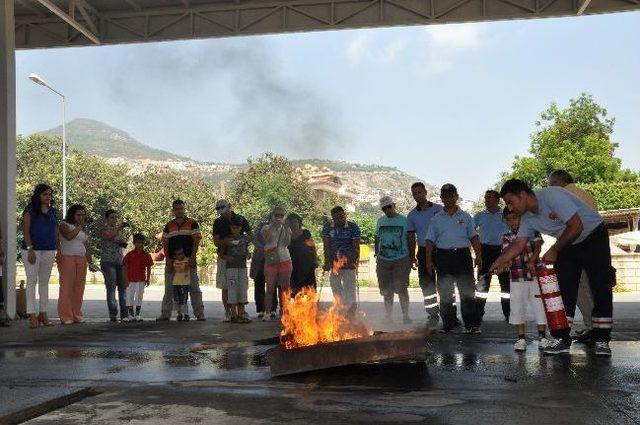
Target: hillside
[
  {"x": 100, "y": 139},
  {"x": 367, "y": 181}
]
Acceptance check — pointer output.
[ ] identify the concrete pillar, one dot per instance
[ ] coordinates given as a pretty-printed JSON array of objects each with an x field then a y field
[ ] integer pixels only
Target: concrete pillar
[{"x": 8, "y": 152}]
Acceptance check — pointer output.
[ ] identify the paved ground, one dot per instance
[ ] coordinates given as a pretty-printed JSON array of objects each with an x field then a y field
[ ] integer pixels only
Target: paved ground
[{"x": 142, "y": 373}]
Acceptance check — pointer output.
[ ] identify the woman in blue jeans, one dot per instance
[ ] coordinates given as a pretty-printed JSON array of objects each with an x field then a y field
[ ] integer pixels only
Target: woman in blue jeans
[{"x": 113, "y": 243}]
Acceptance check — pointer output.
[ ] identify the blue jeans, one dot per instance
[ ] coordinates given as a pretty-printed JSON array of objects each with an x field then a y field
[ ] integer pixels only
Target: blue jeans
[{"x": 114, "y": 278}]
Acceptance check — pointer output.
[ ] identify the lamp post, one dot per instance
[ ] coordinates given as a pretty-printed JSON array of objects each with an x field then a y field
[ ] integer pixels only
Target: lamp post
[{"x": 36, "y": 79}]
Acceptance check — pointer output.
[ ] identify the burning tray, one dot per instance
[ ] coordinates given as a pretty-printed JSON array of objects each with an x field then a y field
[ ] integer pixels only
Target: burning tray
[{"x": 381, "y": 346}]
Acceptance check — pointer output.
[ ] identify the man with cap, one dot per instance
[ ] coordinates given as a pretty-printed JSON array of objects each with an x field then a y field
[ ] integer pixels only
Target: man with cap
[
  {"x": 418, "y": 223},
  {"x": 562, "y": 178},
  {"x": 582, "y": 242},
  {"x": 393, "y": 264},
  {"x": 221, "y": 233},
  {"x": 491, "y": 227},
  {"x": 450, "y": 233}
]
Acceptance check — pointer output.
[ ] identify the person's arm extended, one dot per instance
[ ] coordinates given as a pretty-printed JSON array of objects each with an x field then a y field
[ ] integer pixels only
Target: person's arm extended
[
  {"x": 356, "y": 253},
  {"x": 477, "y": 248},
  {"x": 570, "y": 234},
  {"x": 503, "y": 262},
  {"x": 537, "y": 247}
]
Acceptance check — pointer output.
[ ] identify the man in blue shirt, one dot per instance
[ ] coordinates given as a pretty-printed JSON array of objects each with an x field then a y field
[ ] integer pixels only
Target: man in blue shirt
[
  {"x": 341, "y": 241},
  {"x": 393, "y": 264},
  {"x": 450, "y": 233},
  {"x": 418, "y": 222},
  {"x": 491, "y": 227},
  {"x": 582, "y": 242}
]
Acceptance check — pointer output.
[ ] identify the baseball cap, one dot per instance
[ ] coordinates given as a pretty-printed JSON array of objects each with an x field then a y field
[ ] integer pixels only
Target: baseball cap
[
  {"x": 386, "y": 201},
  {"x": 448, "y": 188}
]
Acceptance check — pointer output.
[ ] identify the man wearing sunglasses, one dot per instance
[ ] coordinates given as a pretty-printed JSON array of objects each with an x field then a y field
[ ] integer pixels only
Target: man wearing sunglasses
[{"x": 221, "y": 238}]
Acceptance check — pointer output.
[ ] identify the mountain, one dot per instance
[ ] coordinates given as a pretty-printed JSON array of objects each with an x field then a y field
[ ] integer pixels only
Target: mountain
[{"x": 100, "y": 139}]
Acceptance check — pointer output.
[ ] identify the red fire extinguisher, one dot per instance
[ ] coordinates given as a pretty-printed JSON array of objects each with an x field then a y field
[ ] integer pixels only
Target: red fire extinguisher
[{"x": 551, "y": 298}]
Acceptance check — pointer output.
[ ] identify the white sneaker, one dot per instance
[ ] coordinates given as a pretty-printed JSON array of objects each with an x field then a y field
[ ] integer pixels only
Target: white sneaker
[
  {"x": 126, "y": 319},
  {"x": 543, "y": 343},
  {"x": 520, "y": 345},
  {"x": 602, "y": 349},
  {"x": 138, "y": 318},
  {"x": 227, "y": 317}
]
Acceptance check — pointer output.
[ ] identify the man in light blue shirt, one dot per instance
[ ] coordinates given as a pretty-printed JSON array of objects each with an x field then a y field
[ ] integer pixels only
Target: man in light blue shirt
[
  {"x": 450, "y": 233},
  {"x": 582, "y": 243},
  {"x": 491, "y": 227},
  {"x": 393, "y": 264},
  {"x": 418, "y": 222}
]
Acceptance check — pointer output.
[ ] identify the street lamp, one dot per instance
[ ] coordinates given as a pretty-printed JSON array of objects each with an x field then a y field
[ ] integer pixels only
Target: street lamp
[{"x": 36, "y": 79}]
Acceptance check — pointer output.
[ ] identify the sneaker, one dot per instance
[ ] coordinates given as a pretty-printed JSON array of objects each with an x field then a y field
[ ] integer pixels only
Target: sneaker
[
  {"x": 543, "y": 343},
  {"x": 475, "y": 331},
  {"x": 265, "y": 318},
  {"x": 407, "y": 320},
  {"x": 113, "y": 319},
  {"x": 126, "y": 319},
  {"x": 273, "y": 316},
  {"x": 201, "y": 318},
  {"x": 602, "y": 349},
  {"x": 227, "y": 317},
  {"x": 244, "y": 319},
  {"x": 582, "y": 336},
  {"x": 138, "y": 319},
  {"x": 260, "y": 316},
  {"x": 520, "y": 345},
  {"x": 179, "y": 318},
  {"x": 186, "y": 318},
  {"x": 162, "y": 319},
  {"x": 445, "y": 330},
  {"x": 557, "y": 346}
]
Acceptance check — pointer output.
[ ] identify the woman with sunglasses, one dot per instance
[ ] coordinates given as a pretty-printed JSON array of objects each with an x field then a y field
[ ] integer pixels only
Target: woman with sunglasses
[{"x": 278, "y": 266}]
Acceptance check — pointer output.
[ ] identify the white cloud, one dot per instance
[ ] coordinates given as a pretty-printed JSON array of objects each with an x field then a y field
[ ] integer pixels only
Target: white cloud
[
  {"x": 362, "y": 49},
  {"x": 445, "y": 43}
]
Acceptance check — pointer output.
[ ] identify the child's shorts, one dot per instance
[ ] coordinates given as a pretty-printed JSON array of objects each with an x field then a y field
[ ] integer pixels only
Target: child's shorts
[
  {"x": 237, "y": 284},
  {"x": 180, "y": 294},
  {"x": 526, "y": 296}
]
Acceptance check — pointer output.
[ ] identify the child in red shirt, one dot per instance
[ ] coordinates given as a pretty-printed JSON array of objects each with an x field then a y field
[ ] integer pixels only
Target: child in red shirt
[{"x": 137, "y": 272}]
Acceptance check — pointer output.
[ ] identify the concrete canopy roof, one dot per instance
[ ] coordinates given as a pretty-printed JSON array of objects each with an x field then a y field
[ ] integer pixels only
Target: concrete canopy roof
[{"x": 83, "y": 22}]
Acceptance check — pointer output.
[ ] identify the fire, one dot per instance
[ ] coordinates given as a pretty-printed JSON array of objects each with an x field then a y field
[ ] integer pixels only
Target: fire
[
  {"x": 338, "y": 264},
  {"x": 303, "y": 324}
]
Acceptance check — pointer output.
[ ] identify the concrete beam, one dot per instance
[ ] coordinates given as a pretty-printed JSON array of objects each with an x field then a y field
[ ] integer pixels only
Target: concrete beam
[
  {"x": 8, "y": 153},
  {"x": 69, "y": 20}
]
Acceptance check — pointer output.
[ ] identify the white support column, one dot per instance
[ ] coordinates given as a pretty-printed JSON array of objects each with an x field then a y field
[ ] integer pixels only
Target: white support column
[{"x": 8, "y": 152}]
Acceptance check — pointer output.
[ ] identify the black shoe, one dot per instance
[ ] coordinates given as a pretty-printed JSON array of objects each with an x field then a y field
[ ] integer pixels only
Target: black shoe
[
  {"x": 558, "y": 346},
  {"x": 179, "y": 318},
  {"x": 113, "y": 319},
  {"x": 186, "y": 318},
  {"x": 582, "y": 336}
]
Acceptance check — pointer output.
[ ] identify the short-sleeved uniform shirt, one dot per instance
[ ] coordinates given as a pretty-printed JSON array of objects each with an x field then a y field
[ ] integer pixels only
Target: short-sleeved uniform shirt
[
  {"x": 222, "y": 226},
  {"x": 555, "y": 207},
  {"x": 181, "y": 275},
  {"x": 490, "y": 227},
  {"x": 137, "y": 263},
  {"x": 451, "y": 231},
  {"x": 239, "y": 251},
  {"x": 392, "y": 237},
  {"x": 519, "y": 271},
  {"x": 181, "y": 235},
  {"x": 43, "y": 229},
  {"x": 419, "y": 219},
  {"x": 341, "y": 239}
]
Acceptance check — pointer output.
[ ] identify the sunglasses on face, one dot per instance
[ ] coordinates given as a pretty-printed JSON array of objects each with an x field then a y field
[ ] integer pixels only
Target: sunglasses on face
[
  {"x": 387, "y": 207},
  {"x": 278, "y": 215},
  {"x": 221, "y": 208}
]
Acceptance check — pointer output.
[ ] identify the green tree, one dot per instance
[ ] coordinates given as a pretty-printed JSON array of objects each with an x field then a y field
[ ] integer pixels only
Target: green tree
[
  {"x": 576, "y": 139},
  {"x": 367, "y": 223},
  {"x": 615, "y": 195}
]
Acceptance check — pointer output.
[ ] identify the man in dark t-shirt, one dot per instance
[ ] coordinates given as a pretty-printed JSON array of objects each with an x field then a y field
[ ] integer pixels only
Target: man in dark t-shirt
[
  {"x": 221, "y": 233},
  {"x": 181, "y": 233}
]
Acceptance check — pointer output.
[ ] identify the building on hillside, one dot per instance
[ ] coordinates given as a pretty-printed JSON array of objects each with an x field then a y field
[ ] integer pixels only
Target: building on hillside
[{"x": 326, "y": 183}]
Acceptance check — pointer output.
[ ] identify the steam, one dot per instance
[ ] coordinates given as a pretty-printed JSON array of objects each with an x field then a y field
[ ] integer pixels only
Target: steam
[{"x": 267, "y": 112}]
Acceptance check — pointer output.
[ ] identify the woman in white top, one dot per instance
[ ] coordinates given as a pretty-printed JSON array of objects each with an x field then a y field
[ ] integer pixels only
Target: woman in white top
[
  {"x": 75, "y": 254},
  {"x": 277, "y": 267}
]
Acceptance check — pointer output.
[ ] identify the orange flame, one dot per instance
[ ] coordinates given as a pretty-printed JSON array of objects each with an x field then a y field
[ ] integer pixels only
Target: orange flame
[
  {"x": 338, "y": 264},
  {"x": 303, "y": 324}
]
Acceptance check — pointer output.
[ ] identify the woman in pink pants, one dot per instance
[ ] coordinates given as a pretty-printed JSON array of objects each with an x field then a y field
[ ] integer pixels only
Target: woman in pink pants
[{"x": 74, "y": 255}]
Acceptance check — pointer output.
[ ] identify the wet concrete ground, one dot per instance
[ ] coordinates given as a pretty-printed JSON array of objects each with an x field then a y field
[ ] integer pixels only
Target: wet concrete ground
[{"x": 142, "y": 373}]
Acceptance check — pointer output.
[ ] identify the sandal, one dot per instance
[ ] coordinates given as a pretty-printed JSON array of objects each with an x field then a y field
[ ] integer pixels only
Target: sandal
[
  {"x": 42, "y": 319},
  {"x": 33, "y": 321}
]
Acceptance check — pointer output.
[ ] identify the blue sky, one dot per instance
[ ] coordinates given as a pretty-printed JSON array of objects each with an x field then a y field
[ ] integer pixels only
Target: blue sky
[{"x": 450, "y": 103}]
